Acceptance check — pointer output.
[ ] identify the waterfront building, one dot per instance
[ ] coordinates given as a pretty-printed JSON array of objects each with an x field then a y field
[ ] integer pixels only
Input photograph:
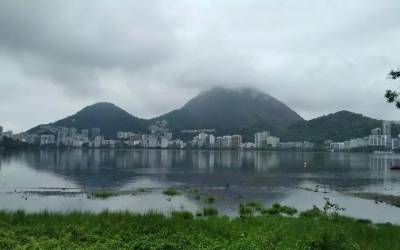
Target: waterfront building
[
  {"x": 94, "y": 132},
  {"x": 201, "y": 140},
  {"x": 387, "y": 128},
  {"x": 47, "y": 139},
  {"x": 291, "y": 145},
  {"x": 248, "y": 145},
  {"x": 308, "y": 145},
  {"x": 395, "y": 143},
  {"x": 122, "y": 135},
  {"x": 226, "y": 141},
  {"x": 98, "y": 141},
  {"x": 378, "y": 140},
  {"x": 85, "y": 132},
  {"x": 218, "y": 142},
  {"x": 337, "y": 146},
  {"x": 177, "y": 144},
  {"x": 149, "y": 141},
  {"x": 260, "y": 139},
  {"x": 61, "y": 135},
  {"x": 273, "y": 141},
  {"x": 358, "y": 143},
  {"x": 211, "y": 141},
  {"x": 236, "y": 141},
  {"x": 108, "y": 143},
  {"x": 32, "y": 139},
  {"x": 1, "y": 133},
  {"x": 72, "y": 132},
  {"x": 164, "y": 142},
  {"x": 298, "y": 145},
  {"x": 77, "y": 143}
]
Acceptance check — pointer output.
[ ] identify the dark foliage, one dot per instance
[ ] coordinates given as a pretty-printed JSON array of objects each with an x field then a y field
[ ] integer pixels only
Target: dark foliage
[
  {"x": 390, "y": 95},
  {"x": 339, "y": 126},
  {"x": 394, "y": 74},
  {"x": 8, "y": 143}
]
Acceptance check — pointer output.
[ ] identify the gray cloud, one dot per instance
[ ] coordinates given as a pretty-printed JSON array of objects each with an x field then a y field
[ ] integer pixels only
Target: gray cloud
[{"x": 152, "y": 56}]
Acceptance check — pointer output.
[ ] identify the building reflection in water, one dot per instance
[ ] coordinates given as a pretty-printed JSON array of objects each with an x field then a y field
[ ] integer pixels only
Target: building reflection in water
[{"x": 116, "y": 167}]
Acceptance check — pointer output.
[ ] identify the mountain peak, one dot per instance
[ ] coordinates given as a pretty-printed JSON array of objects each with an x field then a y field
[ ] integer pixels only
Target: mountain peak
[
  {"x": 240, "y": 90},
  {"x": 104, "y": 115},
  {"x": 101, "y": 105},
  {"x": 232, "y": 110}
]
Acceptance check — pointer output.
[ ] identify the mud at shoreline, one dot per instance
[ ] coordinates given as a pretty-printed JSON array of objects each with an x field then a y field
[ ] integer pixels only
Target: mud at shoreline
[{"x": 377, "y": 198}]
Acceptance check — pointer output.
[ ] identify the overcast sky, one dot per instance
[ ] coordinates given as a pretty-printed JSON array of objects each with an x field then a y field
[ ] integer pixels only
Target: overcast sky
[{"x": 149, "y": 57}]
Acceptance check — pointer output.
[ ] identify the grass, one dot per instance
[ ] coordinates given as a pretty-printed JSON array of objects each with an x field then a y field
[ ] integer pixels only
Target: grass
[
  {"x": 210, "y": 211},
  {"x": 123, "y": 230},
  {"x": 171, "y": 192},
  {"x": 102, "y": 194}
]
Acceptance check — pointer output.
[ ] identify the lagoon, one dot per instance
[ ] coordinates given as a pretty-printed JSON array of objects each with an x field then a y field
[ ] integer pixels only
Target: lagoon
[{"x": 63, "y": 180}]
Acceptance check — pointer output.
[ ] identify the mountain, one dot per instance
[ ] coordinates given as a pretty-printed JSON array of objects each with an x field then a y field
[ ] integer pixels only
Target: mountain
[
  {"x": 106, "y": 116},
  {"x": 339, "y": 126},
  {"x": 231, "y": 111}
]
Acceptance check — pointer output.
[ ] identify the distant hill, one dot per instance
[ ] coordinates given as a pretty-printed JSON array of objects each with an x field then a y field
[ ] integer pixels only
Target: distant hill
[
  {"x": 106, "y": 116},
  {"x": 229, "y": 111},
  {"x": 232, "y": 111},
  {"x": 339, "y": 126}
]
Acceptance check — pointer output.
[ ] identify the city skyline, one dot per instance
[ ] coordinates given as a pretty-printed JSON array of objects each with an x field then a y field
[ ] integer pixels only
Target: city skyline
[{"x": 151, "y": 57}]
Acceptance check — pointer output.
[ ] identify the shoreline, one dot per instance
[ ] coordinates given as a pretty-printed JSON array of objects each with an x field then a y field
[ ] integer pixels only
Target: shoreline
[{"x": 389, "y": 199}]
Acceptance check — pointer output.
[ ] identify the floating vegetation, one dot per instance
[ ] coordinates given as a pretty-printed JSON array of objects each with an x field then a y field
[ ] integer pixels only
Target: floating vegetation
[
  {"x": 210, "y": 199},
  {"x": 171, "y": 192},
  {"x": 102, "y": 194}
]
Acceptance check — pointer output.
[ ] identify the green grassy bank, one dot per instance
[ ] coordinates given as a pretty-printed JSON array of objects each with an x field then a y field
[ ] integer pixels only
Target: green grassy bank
[{"x": 182, "y": 230}]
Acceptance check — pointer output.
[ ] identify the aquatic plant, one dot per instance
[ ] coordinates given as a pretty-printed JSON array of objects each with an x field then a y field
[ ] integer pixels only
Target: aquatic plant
[
  {"x": 245, "y": 211},
  {"x": 288, "y": 210},
  {"x": 210, "y": 199},
  {"x": 257, "y": 205},
  {"x": 171, "y": 192},
  {"x": 103, "y": 194}
]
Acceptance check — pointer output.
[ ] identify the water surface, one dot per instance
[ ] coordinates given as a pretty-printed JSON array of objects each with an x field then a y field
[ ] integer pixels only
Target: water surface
[{"x": 60, "y": 180}]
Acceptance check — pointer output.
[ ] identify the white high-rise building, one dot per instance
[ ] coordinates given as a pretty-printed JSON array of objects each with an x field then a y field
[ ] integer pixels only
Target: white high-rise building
[
  {"x": 72, "y": 132},
  {"x": 273, "y": 141},
  {"x": 218, "y": 142},
  {"x": 164, "y": 142},
  {"x": 387, "y": 128},
  {"x": 378, "y": 140},
  {"x": 98, "y": 141},
  {"x": 260, "y": 139},
  {"x": 85, "y": 133},
  {"x": 211, "y": 141},
  {"x": 61, "y": 135},
  {"x": 226, "y": 141}
]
